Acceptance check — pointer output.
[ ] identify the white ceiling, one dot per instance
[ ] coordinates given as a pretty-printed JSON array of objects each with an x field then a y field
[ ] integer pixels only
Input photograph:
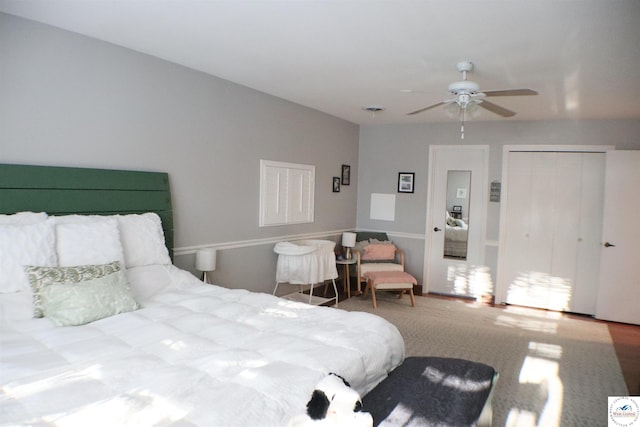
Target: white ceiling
[{"x": 337, "y": 56}]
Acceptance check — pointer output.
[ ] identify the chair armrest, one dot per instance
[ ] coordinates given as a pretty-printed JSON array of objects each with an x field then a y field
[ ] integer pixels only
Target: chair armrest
[{"x": 400, "y": 255}]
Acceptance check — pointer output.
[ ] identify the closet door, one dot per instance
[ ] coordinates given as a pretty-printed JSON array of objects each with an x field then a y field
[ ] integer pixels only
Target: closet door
[
  {"x": 553, "y": 216},
  {"x": 619, "y": 287},
  {"x": 539, "y": 240},
  {"x": 524, "y": 218},
  {"x": 565, "y": 216},
  {"x": 590, "y": 233},
  {"x": 540, "y": 285}
]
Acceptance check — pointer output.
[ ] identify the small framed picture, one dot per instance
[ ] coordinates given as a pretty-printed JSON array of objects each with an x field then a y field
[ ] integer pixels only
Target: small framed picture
[
  {"x": 457, "y": 208},
  {"x": 405, "y": 182},
  {"x": 346, "y": 174},
  {"x": 336, "y": 184}
]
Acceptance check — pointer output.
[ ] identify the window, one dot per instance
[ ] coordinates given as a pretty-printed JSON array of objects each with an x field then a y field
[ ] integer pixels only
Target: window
[{"x": 286, "y": 193}]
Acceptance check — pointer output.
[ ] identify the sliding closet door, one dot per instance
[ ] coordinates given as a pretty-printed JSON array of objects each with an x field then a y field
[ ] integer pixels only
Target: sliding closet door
[
  {"x": 513, "y": 265},
  {"x": 550, "y": 237},
  {"x": 565, "y": 217},
  {"x": 541, "y": 288},
  {"x": 535, "y": 201}
]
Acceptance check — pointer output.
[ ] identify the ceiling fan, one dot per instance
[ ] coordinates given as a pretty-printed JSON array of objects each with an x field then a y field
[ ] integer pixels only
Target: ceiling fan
[{"x": 468, "y": 95}]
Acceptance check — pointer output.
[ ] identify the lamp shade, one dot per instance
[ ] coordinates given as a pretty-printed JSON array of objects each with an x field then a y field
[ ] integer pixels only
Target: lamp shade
[
  {"x": 206, "y": 259},
  {"x": 348, "y": 239}
]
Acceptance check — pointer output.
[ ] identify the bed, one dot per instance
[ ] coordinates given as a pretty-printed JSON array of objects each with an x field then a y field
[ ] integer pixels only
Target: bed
[
  {"x": 455, "y": 237},
  {"x": 158, "y": 347}
]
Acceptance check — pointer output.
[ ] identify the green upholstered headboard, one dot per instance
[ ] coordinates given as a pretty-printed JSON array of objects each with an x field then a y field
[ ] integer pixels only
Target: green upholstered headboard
[{"x": 65, "y": 190}]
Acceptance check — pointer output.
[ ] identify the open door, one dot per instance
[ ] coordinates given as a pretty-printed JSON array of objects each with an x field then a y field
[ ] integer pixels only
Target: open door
[{"x": 619, "y": 287}]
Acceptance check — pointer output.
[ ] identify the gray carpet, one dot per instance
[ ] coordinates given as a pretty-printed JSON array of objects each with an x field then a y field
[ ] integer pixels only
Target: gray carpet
[{"x": 554, "y": 370}]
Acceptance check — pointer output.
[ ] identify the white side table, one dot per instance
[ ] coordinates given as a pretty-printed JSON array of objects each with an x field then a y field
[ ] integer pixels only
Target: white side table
[{"x": 347, "y": 277}]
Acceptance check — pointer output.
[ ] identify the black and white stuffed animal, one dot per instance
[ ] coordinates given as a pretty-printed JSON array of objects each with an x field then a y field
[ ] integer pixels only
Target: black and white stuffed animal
[{"x": 333, "y": 403}]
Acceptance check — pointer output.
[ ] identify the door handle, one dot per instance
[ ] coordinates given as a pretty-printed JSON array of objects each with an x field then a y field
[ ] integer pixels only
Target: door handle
[
  {"x": 437, "y": 229},
  {"x": 608, "y": 245}
]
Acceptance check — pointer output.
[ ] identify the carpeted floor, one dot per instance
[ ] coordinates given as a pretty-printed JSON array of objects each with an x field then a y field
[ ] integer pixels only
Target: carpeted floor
[{"x": 554, "y": 370}]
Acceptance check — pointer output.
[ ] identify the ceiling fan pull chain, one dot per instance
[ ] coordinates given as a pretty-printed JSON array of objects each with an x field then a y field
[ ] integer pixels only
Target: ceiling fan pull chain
[{"x": 462, "y": 123}]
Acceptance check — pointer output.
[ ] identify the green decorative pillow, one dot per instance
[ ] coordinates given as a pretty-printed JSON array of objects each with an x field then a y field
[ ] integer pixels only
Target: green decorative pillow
[
  {"x": 75, "y": 304},
  {"x": 40, "y": 277}
]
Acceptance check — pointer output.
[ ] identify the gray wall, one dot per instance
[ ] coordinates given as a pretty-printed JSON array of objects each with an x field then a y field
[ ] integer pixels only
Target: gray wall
[
  {"x": 386, "y": 150},
  {"x": 73, "y": 101},
  {"x": 69, "y": 100}
]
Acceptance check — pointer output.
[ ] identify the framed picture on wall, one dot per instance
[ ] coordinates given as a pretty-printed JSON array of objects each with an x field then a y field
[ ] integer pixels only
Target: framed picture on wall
[
  {"x": 346, "y": 174},
  {"x": 336, "y": 184},
  {"x": 405, "y": 182}
]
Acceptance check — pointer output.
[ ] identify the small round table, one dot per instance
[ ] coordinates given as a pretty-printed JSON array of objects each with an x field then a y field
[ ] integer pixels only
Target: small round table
[{"x": 347, "y": 278}]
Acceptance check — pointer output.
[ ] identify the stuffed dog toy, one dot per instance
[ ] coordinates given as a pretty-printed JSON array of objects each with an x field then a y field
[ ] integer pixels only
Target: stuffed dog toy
[{"x": 333, "y": 403}]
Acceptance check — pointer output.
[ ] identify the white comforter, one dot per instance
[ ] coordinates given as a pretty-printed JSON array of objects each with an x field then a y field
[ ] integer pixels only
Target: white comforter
[
  {"x": 457, "y": 233},
  {"x": 195, "y": 355}
]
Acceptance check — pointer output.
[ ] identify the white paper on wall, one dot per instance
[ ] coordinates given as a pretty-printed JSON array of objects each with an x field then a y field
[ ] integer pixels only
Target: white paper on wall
[{"x": 383, "y": 206}]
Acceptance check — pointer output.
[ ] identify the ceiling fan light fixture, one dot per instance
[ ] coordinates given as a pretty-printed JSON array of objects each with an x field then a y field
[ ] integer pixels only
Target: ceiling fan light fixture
[
  {"x": 463, "y": 100},
  {"x": 452, "y": 110},
  {"x": 473, "y": 109},
  {"x": 464, "y": 86}
]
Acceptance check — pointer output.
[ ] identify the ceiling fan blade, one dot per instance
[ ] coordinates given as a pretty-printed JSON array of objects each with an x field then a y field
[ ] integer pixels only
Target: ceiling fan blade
[
  {"x": 510, "y": 92},
  {"x": 501, "y": 111},
  {"x": 427, "y": 108}
]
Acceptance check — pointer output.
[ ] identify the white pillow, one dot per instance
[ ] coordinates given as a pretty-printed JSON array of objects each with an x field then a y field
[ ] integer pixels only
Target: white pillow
[
  {"x": 23, "y": 218},
  {"x": 75, "y": 219},
  {"x": 94, "y": 241},
  {"x": 83, "y": 302},
  {"x": 41, "y": 277},
  {"x": 14, "y": 307},
  {"x": 151, "y": 280},
  {"x": 142, "y": 240},
  {"x": 22, "y": 245}
]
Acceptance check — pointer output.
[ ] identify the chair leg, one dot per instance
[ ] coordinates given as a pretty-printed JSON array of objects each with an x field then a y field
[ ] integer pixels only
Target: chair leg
[
  {"x": 366, "y": 290},
  {"x": 413, "y": 300},
  {"x": 373, "y": 295}
]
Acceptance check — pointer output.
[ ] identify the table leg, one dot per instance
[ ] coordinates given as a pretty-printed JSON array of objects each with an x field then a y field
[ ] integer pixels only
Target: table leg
[{"x": 347, "y": 280}]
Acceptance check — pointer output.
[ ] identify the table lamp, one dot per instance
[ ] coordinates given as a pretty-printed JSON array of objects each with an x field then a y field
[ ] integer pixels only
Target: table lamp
[
  {"x": 206, "y": 261},
  {"x": 348, "y": 241}
]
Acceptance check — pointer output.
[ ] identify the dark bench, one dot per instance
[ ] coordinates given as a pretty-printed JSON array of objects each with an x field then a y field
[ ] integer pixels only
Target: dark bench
[{"x": 433, "y": 391}]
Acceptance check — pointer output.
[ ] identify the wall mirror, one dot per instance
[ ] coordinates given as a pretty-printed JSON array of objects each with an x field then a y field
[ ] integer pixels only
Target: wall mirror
[{"x": 456, "y": 234}]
